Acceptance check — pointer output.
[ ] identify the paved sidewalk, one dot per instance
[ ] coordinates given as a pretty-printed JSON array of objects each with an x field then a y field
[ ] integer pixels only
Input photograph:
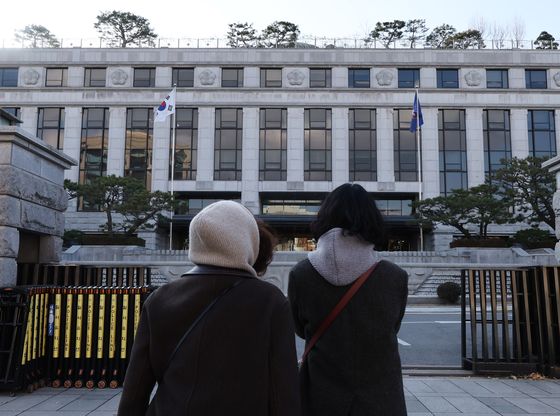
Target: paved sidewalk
[{"x": 424, "y": 395}]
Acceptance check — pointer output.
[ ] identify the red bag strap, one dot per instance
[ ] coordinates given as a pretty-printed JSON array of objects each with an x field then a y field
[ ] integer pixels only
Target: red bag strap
[{"x": 338, "y": 308}]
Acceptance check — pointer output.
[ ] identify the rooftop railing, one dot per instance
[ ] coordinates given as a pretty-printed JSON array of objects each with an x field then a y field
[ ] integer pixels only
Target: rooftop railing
[{"x": 306, "y": 42}]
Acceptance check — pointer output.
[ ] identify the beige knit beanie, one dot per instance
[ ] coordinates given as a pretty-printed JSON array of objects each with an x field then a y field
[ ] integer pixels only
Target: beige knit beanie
[{"x": 224, "y": 234}]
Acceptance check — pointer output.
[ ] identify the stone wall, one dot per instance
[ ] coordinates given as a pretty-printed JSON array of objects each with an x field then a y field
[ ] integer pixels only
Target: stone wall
[{"x": 32, "y": 198}]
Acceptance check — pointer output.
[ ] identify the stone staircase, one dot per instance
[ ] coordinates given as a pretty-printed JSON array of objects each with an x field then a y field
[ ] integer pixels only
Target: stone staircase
[{"x": 438, "y": 276}]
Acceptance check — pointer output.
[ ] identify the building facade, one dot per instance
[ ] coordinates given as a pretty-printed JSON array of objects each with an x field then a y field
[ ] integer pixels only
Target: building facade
[{"x": 277, "y": 129}]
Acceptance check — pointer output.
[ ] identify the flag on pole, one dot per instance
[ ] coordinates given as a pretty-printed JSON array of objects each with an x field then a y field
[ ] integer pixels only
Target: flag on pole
[
  {"x": 417, "y": 120},
  {"x": 166, "y": 108}
]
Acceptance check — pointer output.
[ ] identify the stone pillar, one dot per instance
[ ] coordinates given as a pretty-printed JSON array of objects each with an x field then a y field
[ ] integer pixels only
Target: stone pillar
[
  {"x": 164, "y": 76},
  {"x": 72, "y": 139},
  {"x": 9, "y": 247},
  {"x": 29, "y": 119},
  {"x": 50, "y": 247},
  {"x": 428, "y": 78},
  {"x": 516, "y": 78},
  {"x": 251, "y": 77},
  {"x": 116, "y": 145},
  {"x": 475, "y": 147},
  {"x": 430, "y": 153},
  {"x": 339, "y": 77},
  {"x": 340, "y": 146},
  {"x": 76, "y": 76},
  {"x": 557, "y": 129},
  {"x": 250, "y": 160},
  {"x": 295, "y": 151},
  {"x": 205, "y": 158},
  {"x": 160, "y": 155},
  {"x": 519, "y": 134},
  {"x": 385, "y": 146}
]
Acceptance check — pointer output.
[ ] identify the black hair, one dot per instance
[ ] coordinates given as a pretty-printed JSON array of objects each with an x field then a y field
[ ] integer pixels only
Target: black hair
[
  {"x": 267, "y": 241},
  {"x": 351, "y": 208}
]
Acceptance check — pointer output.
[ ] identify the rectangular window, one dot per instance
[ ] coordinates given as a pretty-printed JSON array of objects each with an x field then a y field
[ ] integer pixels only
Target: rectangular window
[
  {"x": 227, "y": 144},
  {"x": 93, "y": 148},
  {"x": 542, "y": 133},
  {"x": 497, "y": 78},
  {"x": 195, "y": 202},
  {"x": 95, "y": 77},
  {"x": 405, "y": 148},
  {"x": 394, "y": 207},
  {"x": 358, "y": 77},
  {"x": 452, "y": 150},
  {"x": 144, "y": 77},
  {"x": 320, "y": 78},
  {"x": 56, "y": 77},
  {"x": 317, "y": 144},
  {"x": 183, "y": 77},
  {"x": 50, "y": 126},
  {"x": 15, "y": 111},
  {"x": 535, "y": 79},
  {"x": 279, "y": 206},
  {"x": 363, "y": 144},
  {"x": 232, "y": 77},
  {"x": 139, "y": 144},
  {"x": 448, "y": 78},
  {"x": 409, "y": 78},
  {"x": 271, "y": 77},
  {"x": 186, "y": 144},
  {"x": 8, "y": 77},
  {"x": 497, "y": 140},
  {"x": 273, "y": 138}
]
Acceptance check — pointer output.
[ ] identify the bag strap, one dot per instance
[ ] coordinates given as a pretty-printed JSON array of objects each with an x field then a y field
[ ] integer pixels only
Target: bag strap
[
  {"x": 337, "y": 309},
  {"x": 196, "y": 321}
]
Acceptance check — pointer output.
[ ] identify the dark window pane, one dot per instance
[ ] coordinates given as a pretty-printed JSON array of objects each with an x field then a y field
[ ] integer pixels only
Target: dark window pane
[
  {"x": 95, "y": 77},
  {"x": 271, "y": 77},
  {"x": 535, "y": 78},
  {"x": 358, "y": 78},
  {"x": 409, "y": 78},
  {"x": 183, "y": 77},
  {"x": 448, "y": 78},
  {"x": 56, "y": 77},
  {"x": 320, "y": 78},
  {"x": 317, "y": 144},
  {"x": 8, "y": 77},
  {"x": 497, "y": 78},
  {"x": 232, "y": 77},
  {"x": 144, "y": 77}
]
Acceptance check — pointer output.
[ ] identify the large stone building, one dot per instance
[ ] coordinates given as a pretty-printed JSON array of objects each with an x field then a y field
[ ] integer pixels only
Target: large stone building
[{"x": 278, "y": 129}]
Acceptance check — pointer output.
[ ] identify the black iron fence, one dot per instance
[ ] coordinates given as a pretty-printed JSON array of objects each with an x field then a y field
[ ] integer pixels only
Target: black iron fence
[
  {"x": 71, "y": 336},
  {"x": 510, "y": 320}
]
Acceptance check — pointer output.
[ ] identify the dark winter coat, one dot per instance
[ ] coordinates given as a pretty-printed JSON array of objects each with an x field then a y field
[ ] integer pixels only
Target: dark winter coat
[
  {"x": 355, "y": 368},
  {"x": 239, "y": 360}
]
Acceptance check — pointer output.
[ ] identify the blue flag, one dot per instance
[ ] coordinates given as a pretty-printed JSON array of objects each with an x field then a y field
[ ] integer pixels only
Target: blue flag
[{"x": 417, "y": 120}]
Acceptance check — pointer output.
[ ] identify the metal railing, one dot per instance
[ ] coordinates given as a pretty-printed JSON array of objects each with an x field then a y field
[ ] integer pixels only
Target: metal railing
[
  {"x": 305, "y": 42},
  {"x": 510, "y": 320}
]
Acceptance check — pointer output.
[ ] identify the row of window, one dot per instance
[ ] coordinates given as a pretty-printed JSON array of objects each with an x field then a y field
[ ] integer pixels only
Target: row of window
[{"x": 272, "y": 77}]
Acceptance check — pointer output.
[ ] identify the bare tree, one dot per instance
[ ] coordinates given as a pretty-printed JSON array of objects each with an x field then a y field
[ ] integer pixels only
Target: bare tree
[
  {"x": 481, "y": 24},
  {"x": 517, "y": 29},
  {"x": 499, "y": 35}
]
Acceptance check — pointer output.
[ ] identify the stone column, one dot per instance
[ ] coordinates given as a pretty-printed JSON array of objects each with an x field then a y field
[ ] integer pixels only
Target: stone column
[
  {"x": 116, "y": 145},
  {"x": 251, "y": 77},
  {"x": 519, "y": 134},
  {"x": 160, "y": 155},
  {"x": 430, "y": 153},
  {"x": 557, "y": 129},
  {"x": 76, "y": 76},
  {"x": 385, "y": 147},
  {"x": 164, "y": 77},
  {"x": 72, "y": 139},
  {"x": 339, "y": 77},
  {"x": 9, "y": 247},
  {"x": 250, "y": 160},
  {"x": 516, "y": 78},
  {"x": 29, "y": 119},
  {"x": 295, "y": 151},
  {"x": 340, "y": 146},
  {"x": 475, "y": 146},
  {"x": 428, "y": 78},
  {"x": 205, "y": 158}
]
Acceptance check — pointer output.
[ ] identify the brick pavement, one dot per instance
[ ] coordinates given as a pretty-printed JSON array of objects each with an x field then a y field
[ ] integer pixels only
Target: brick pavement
[{"x": 441, "y": 396}]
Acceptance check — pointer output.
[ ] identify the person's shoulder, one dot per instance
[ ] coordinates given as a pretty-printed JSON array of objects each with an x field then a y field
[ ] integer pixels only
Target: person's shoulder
[
  {"x": 302, "y": 267},
  {"x": 390, "y": 269}
]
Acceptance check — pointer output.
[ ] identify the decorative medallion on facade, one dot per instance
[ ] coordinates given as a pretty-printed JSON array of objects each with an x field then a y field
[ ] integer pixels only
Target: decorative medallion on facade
[
  {"x": 207, "y": 77},
  {"x": 556, "y": 79},
  {"x": 30, "y": 77},
  {"x": 296, "y": 77},
  {"x": 119, "y": 77},
  {"x": 473, "y": 78},
  {"x": 384, "y": 78}
]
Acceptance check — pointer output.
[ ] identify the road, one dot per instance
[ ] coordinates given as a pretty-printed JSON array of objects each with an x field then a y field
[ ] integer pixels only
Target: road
[{"x": 429, "y": 336}]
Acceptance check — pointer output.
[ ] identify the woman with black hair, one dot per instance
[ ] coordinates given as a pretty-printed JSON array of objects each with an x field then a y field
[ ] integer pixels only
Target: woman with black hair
[{"x": 354, "y": 367}]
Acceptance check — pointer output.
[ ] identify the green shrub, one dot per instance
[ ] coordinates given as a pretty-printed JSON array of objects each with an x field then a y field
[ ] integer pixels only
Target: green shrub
[
  {"x": 449, "y": 291},
  {"x": 534, "y": 238}
]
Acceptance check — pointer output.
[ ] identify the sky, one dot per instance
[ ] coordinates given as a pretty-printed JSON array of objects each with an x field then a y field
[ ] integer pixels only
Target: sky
[{"x": 74, "y": 19}]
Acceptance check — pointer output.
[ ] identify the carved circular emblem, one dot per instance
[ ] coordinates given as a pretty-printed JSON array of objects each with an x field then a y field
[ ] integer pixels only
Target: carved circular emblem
[
  {"x": 473, "y": 78},
  {"x": 207, "y": 77},
  {"x": 119, "y": 77},
  {"x": 384, "y": 78},
  {"x": 296, "y": 77},
  {"x": 556, "y": 79},
  {"x": 30, "y": 77}
]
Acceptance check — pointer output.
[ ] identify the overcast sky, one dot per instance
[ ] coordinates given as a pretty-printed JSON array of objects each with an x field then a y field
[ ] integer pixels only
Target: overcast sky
[{"x": 332, "y": 18}]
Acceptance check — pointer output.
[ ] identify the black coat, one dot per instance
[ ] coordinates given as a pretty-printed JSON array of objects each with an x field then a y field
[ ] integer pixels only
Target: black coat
[
  {"x": 239, "y": 360},
  {"x": 355, "y": 367}
]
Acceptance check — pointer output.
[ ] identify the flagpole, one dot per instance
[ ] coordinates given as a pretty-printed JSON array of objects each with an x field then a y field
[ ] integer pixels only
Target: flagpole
[
  {"x": 419, "y": 162},
  {"x": 172, "y": 176}
]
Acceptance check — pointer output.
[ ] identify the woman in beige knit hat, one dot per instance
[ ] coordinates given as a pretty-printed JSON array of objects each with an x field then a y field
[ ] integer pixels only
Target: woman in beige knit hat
[{"x": 219, "y": 340}]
